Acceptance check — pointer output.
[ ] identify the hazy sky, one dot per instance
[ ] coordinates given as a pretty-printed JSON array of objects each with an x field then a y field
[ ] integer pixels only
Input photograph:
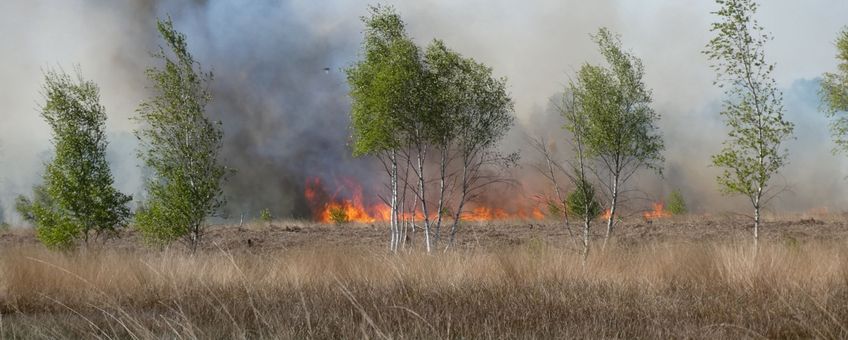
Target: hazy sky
[{"x": 537, "y": 45}]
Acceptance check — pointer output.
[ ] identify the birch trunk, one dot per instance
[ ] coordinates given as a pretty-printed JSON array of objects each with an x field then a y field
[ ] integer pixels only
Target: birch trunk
[
  {"x": 458, "y": 213},
  {"x": 423, "y": 197},
  {"x": 613, "y": 204},
  {"x": 442, "y": 167},
  {"x": 757, "y": 218},
  {"x": 393, "y": 223},
  {"x": 585, "y": 253}
]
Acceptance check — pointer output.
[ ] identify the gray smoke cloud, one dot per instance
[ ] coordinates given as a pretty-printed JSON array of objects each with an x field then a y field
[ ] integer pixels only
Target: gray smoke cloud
[{"x": 285, "y": 119}]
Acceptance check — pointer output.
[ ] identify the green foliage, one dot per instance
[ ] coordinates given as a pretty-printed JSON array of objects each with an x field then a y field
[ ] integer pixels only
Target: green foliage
[
  {"x": 51, "y": 228},
  {"x": 77, "y": 197},
  {"x": 834, "y": 92},
  {"x": 582, "y": 201},
  {"x": 401, "y": 96},
  {"x": 180, "y": 145},
  {"x": 339, "y": 215},
  {"x": 473, "y": 108},
  {"x": 385, "y": 85},
  {"x": 676, "y": 203},
  {"x": 25, "y": 206},
  {"x": 753, "y": 110},
  {"x": 265, "y": 215},
  {"x": 555, "y": 208},
  {"x": 620, "y": 126}
]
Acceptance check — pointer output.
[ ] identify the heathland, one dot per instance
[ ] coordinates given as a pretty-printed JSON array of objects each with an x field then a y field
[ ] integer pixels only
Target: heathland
[{"x": 682, "y": 277}]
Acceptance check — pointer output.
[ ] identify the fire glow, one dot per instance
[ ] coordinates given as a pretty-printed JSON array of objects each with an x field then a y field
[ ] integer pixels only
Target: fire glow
[
  {"x": 657, "y": 212},
  {"x": 324, "y": 206},
  {"x": 346, "y": 204}
]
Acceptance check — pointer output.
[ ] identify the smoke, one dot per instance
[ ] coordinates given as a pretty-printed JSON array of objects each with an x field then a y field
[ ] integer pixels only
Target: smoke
[
  {"x": 285, "y": 118},
  {"x": 110, "y": 46}
]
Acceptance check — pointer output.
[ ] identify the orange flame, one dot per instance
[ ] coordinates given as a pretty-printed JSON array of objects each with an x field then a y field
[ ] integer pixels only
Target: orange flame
[
  {"x": 485, "y": 214},
  {"x": 326, "y": 206},
  {"x": 606, "y": 214},
  {"x": 657, "y": 212}
]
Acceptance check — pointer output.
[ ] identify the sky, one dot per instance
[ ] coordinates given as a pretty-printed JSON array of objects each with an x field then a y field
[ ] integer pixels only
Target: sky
[{"x": 285, "y": 119}]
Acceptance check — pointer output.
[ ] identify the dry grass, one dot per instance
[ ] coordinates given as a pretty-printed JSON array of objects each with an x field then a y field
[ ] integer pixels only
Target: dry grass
[{"x": 531, "y": 290}]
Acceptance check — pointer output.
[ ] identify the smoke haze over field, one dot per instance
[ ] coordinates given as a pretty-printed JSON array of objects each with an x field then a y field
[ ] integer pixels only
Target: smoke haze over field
[{"x": 285, "y": 119}]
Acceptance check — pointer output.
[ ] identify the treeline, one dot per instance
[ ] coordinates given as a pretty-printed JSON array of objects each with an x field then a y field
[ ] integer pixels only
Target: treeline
[
  {"x": 77, "y": 201},
  {"x": 412, "y": 103},
  {"x": 434, "y": 118}
]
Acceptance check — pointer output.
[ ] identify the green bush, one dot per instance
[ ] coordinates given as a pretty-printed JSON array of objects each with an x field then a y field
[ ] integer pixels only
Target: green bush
[
  {"x": 265, "y": 215},
  {"x": 582, "y": 201},
  {"x": 158, "y": 224},
  {"x": 676, "y": 203}
]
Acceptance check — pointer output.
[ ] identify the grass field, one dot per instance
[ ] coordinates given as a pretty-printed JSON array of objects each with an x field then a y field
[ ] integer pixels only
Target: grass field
[{"x": 683, "y": 278}]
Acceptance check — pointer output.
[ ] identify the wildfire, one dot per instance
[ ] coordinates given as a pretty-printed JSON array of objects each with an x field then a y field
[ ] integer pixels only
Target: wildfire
[
  {"x": 657, "y": 212},
  {"x": 606, "y": 214},
  {"x": 329, "y": 208},
  {"x": 485, "y": 214}
]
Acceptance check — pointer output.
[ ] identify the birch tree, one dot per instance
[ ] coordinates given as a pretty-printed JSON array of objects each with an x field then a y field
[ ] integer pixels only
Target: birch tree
[
  {"x": 409, "y": 105},
  {"x": 475, "y": 114},
  {"x": 549, "y": 168},
  {"x": 752, "y": 109},
  {"x": 77, "y": 199},
  {"x": 384, "y": 88},
  {"x": 581, "y": 202},
  {"x": 448, "y": 81},
  {"x": 834, "y": 93},
  {"x": 180, "y": 145},
  {"x": 620, "y": 129}
]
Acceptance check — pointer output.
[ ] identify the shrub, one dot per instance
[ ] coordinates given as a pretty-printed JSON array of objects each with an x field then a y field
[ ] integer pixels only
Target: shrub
[
  {"x": 265, "y": 215},
  {"x": 676, "y": 203},
  {"x": 582, "y": 201}
]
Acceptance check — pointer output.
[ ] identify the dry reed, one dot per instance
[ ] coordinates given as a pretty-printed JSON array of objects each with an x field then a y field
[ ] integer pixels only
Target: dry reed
[{"x": 533, "y": 290}]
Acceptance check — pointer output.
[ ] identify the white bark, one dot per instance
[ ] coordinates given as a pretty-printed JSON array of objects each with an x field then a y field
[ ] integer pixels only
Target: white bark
[
  {"x": 613, "y": 204},
  {"x": 393, "y": 223},
  {"x": 442, "y": 167},
  {"x": 422, "y": 196},
  {"x": 757, "y": 217},
  {"x": 585, "y": 254}
]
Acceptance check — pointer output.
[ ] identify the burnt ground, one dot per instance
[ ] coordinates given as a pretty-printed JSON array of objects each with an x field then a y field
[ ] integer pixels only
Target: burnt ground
[{"x": 282, "y": 235}]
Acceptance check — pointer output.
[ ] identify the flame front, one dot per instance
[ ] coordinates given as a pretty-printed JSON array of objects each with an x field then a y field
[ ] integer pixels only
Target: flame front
[
  {"x": 606, "y": 214},
  {"x": 657, "y": 212},
  {"x": 484, "y": 214},
  {"x": 328, "y": 208}
]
